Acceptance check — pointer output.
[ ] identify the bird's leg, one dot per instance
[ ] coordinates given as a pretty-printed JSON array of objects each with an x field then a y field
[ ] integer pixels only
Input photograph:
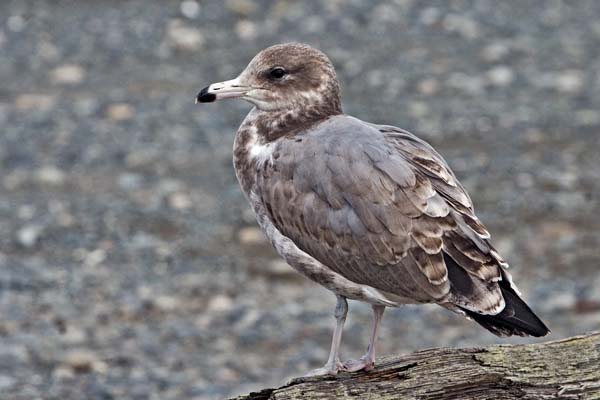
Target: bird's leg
[
  {"x": 333, "y": 364},
  {"x": 367, "y": 362}
]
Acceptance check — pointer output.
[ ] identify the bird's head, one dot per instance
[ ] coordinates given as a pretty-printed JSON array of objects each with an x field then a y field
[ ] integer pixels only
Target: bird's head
[{"x": 283, "y": 77}]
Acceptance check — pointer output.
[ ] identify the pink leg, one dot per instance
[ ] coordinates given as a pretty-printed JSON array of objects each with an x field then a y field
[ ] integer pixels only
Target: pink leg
[
  {"x": 367, "y": 362},
  {"x": 333, "y": 364}
]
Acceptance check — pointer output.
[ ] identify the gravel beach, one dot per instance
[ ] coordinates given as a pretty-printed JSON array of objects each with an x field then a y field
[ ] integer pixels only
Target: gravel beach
[{"x": 131, "y": 265}]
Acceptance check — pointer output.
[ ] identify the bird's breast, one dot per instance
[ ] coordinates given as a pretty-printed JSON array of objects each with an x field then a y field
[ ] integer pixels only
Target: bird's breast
[{"x": 250, "y": 153}]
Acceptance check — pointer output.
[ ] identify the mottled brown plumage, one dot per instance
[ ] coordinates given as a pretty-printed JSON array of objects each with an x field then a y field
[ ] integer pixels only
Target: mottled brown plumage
[{"x": 371, "y": 212}]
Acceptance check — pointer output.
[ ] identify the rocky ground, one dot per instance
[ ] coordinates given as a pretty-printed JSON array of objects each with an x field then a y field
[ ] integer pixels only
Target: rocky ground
[{"x": 131, "y": 266}]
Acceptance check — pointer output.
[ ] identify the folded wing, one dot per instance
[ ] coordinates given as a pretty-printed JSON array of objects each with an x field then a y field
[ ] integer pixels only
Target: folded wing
[{"x": 382, "y": 208}]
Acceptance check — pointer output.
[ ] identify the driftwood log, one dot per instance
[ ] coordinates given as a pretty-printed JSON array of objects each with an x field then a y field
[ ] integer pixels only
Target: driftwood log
[{"x": 564, "y": 369}]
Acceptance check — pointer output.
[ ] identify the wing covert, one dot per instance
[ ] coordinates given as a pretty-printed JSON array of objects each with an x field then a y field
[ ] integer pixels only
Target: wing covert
[{"x": 380, "y": 207}]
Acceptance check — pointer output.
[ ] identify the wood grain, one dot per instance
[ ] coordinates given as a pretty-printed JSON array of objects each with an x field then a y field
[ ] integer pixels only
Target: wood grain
[{"x": 564, "y": 369}]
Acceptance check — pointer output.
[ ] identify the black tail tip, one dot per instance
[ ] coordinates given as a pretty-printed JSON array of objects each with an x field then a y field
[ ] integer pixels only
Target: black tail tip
[
  {"x": 516, "y": 318},
  {"x": 503, "y": 325}
]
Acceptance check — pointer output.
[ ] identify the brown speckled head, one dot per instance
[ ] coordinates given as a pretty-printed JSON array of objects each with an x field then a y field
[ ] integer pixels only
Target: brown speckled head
[{"x": 284, "y": 77}]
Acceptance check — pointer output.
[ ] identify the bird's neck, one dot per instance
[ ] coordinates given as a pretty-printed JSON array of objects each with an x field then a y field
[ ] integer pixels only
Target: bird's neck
[{"x": 271, "y": 125}]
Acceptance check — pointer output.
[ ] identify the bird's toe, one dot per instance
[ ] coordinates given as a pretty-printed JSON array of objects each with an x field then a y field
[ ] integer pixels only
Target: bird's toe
[
  {"x": 358, "y": 365},
  {"x": 328, "y": 369}
]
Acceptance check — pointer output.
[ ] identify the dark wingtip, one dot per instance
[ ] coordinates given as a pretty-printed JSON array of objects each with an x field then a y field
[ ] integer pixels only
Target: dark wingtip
[
  {"x": 205, "y": 97},
  {"x": 516, "y": 318}
]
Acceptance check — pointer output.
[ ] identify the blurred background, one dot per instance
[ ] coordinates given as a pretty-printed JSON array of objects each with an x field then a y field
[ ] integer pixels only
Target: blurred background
[{"x": 131, "y": 266}]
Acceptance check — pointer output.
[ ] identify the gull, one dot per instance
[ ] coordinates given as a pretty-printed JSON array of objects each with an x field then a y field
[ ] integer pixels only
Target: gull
[{"x": 371, "y": 212}]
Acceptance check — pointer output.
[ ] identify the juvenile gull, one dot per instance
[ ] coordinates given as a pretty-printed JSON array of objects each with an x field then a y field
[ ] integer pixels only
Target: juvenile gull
[{"x": 371, "y": 212}]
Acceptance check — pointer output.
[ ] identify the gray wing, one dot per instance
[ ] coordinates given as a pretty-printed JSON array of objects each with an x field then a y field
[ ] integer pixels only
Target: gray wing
[{"x": 382, "y": 208}]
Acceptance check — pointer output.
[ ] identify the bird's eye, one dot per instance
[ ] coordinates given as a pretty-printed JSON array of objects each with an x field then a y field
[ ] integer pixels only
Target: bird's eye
[{"x": 277, "y": 73}]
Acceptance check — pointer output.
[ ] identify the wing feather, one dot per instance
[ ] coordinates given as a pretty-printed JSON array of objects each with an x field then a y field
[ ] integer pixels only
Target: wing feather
[{"x": 382, "y": 208}]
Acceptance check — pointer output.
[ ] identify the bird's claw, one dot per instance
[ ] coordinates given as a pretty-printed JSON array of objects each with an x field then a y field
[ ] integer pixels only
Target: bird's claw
[
  {"x": 363, "y": 363},
  {"x": 332, "y": 369},
  {"x": 328, "y": 369}
]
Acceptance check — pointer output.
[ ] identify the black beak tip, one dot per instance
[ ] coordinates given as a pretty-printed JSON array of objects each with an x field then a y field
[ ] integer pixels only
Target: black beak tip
[{"x": 205, "y": 97}]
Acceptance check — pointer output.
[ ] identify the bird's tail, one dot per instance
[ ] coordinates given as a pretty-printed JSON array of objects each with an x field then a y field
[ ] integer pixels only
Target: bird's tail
[{"x": 516, "y": 318}]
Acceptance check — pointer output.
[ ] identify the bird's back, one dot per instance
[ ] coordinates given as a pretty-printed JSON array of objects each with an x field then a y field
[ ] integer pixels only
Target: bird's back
[{"x": 380, "y": 207}]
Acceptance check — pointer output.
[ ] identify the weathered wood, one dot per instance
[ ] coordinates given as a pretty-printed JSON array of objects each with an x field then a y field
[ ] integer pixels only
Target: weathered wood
[{"x": 564, "y": 369}]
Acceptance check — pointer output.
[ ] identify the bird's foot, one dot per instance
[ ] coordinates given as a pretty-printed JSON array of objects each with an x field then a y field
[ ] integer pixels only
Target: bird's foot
[
  {"x": 331, "y": 368},
  {"x": 364, "y": 363}
]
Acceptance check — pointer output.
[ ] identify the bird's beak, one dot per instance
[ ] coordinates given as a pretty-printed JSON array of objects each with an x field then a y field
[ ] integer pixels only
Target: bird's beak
[{"x": 222, "y": 90}]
